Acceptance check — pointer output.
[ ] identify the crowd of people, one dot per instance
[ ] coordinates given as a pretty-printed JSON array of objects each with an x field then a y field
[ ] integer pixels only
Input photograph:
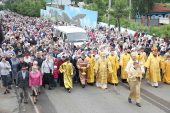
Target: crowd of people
[{"x": 32, "y": 57}]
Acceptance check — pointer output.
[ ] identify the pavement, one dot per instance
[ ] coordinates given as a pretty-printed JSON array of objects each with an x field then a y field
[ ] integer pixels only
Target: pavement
[
  {"x": 88, "y": 100},
  {"x": 94, "y": 100},
  {"x": 162, "y": 91},
  {"x": 8, "y": 102}
]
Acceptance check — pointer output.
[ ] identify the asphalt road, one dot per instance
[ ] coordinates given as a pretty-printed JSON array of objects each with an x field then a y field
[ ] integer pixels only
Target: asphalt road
[{"x": 91, "y": 100}]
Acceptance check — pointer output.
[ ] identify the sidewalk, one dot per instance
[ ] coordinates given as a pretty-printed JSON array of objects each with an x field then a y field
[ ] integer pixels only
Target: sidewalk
[{"x": 8, "y": 102}]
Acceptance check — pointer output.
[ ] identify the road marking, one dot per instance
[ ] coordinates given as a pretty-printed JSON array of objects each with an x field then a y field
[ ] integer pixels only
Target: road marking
[{"x": 35, "y": 107}]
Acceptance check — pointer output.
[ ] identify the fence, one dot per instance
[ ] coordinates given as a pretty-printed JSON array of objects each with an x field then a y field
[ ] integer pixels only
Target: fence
[
  {"x": 152, "y": 21},
  {"x": 147, "y": 21}
]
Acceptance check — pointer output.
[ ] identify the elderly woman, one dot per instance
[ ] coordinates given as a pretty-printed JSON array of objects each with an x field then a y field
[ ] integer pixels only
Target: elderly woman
[
  {"x": 5, "y": 69},
  {"x": 35, "y": 81},
  {"x": 47, "y": 69}
]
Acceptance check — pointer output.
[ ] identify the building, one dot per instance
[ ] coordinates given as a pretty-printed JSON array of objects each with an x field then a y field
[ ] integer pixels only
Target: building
[{"x": 159, "y": 11}]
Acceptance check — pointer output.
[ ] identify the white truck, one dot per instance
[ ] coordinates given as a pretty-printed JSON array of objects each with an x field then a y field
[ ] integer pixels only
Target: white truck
[{"x": 71, "y": 34}]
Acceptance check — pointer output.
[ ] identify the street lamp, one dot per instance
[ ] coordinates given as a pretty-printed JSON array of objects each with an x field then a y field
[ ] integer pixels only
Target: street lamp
[
  {"x": 109, "y": 8},
  {"x": 130, "y": 5}
]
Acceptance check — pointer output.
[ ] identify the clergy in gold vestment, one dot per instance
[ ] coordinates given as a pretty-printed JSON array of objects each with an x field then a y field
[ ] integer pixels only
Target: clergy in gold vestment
[
  {"x": 112, "y": 77},
  {"x": 90, "y": 70},
  {"x": 83, "y": 65},
  {"x": 102, "y": 69},
  {"x": 134, "y": 70},
  {"x": 141, "y": 57},
  {"x": 162, "y": 60},
  {"x": 123, "y": 63},
  {"x": 67, "y": 70},
  {"x": 166, "y": 70},
  {"x": 153, "y": 65}
]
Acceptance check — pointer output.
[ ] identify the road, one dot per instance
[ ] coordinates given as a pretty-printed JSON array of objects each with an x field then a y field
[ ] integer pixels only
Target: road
[{"x": 95, "y": 100}]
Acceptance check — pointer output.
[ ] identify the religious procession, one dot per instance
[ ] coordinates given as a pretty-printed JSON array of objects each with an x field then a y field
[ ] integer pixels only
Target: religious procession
[{"x": 33, "y": 59}]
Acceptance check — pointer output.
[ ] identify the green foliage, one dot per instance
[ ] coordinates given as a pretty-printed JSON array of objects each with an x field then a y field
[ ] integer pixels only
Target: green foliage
[
  {"x": 26, "y": 7},
  {"x": 168, "y": 5},
  {"x": 161, "y": 31},
  {"x": 119, "y": 10},
  {"x": 2, "y": 7},
  {"x": 162, "y": 1},
  {"x": 101, "y": 6},
  {"x": 88, "y": 1},
  {"x": 141, "y": 7}
]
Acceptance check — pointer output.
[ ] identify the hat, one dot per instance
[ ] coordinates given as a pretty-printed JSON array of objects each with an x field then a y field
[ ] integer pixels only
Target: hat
[
  {"x": 133, "y": 54},
  {"x": 102, "y": 54}
]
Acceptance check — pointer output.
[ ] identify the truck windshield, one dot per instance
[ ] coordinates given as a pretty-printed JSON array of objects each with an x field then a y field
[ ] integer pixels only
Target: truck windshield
[{"x": 77, "y": 37}]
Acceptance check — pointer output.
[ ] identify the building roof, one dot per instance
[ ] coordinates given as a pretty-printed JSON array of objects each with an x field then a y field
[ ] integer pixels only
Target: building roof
[{"x": 160, "y": 8}]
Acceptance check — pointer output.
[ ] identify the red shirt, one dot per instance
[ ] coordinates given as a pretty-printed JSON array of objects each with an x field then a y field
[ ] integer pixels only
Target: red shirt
[
  {"x": 55, "y": 73},
  {"x": 58, "y": 62}
]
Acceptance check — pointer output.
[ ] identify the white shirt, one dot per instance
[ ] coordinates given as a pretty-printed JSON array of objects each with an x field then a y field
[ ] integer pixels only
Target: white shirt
[
  {"x": 23, "y": 74},
  {"x": 5, "y": 68},
  {"x": 47, "y": 66}
]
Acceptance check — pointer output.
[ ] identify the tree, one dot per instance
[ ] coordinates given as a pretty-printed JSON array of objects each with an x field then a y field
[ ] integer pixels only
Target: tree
[
  {"x": 142, "y": 7},
  {"x": 162, "y": 1},
  {"x": 26, "y": 7},
  {"x": 120, "y": 9},
  {"x": 88, "y": 1},
  {"x": 99, "y": 5}
]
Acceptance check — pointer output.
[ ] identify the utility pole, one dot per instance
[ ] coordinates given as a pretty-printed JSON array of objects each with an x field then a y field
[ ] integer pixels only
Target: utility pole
[
  {"x": 130, "y": 5},
  {"x": 109, "y": 8}
]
